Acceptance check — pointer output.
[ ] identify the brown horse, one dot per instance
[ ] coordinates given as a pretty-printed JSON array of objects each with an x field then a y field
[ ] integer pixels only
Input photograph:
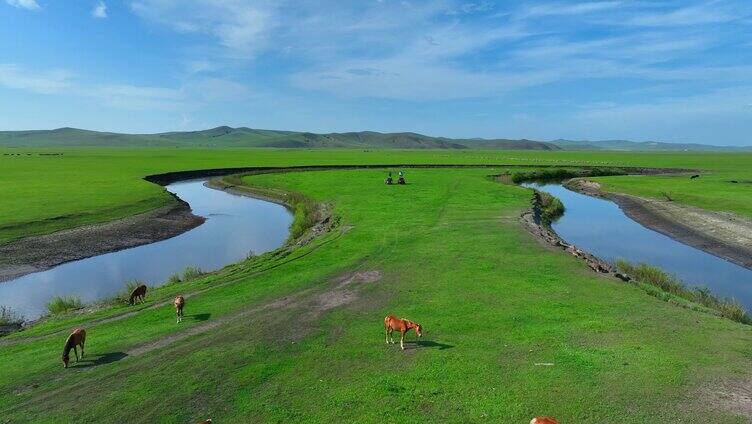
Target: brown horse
[
  {"x": 206, "y": 421},
  {"x": 543, "y": 420},
  {"x": 77, "y": 338},
  {"x": 179, "y": 304},
  {"x": 392, "y": 323},
  {"x": 139, "y": 293}
]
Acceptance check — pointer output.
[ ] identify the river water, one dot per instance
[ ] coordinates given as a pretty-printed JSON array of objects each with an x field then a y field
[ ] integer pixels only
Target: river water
[
  {"x": 600, "y": 227},
  {"x": 235, "y": 226}
]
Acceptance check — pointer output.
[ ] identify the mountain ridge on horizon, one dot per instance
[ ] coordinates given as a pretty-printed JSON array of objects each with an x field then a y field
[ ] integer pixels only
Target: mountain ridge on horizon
[{"x": 226, "y": 136}]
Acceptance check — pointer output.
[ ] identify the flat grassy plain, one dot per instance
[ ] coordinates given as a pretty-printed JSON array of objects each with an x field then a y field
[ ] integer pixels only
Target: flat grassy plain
[
  {"x": 512, "y": 329},
  {"x": 43, "y": 193},
  {"x": 713, "y": 191}
]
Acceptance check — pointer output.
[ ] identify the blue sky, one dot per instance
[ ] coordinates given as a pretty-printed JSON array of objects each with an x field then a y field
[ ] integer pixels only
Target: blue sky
[{"x": 642, "y": 70}]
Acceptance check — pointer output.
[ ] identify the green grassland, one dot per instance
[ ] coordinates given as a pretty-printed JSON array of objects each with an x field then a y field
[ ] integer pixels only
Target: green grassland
[
  {"x": 513, "y": 329},
  {"x": 43, "y": 193},
  {"x": 714, "y": 191}
]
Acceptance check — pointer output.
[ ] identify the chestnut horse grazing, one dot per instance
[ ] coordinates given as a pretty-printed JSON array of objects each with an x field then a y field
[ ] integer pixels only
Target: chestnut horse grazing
[
  {"x": 179, "y": 304},
  {"x": 139, "y": 293},
  {"x": 392, "y": 323},
  {"x": 77, "y": 338},
  {"x": 543, "y": 420}
]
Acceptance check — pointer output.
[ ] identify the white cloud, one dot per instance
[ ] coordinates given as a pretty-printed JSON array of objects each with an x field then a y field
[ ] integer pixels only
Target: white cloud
[
  {"x": 239, "y": 26},
  {"x": 47, "y": 82},
  {"x": 24, "y": 4},
  {"x": 704, "y": 13},
  {"x": 99, "y": 11},
  {"x": 561, "y": 9},
  {"x": 195, "y": 91}
]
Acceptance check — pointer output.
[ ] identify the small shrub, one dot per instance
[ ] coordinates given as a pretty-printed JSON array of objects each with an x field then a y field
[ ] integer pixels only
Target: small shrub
[
  {"x": 670, "y": 285},
  {"x": 560, "y": 174},
  {"x": 10, "y": 317},
  {"x": 551, "y": 208},
  {"x": 733, "y": 310},
  {"x": 174, "y": 279},
  {"x": 62, "y": 304},
  {"x": 191, "y": 273},
  {"x": 304, "y": 216},
  {"x": 251, "y": 254}
]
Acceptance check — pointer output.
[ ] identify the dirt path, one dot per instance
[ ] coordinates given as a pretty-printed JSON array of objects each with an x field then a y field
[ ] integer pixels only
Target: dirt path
[
  {"x": 313, "y": 302},
  {"x": 308, "y": 304},
  {"x": 725, "y": 235}
]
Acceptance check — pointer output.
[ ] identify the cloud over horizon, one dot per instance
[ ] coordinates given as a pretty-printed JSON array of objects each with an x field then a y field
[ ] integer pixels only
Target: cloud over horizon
[{"x": 338, "y": 66}]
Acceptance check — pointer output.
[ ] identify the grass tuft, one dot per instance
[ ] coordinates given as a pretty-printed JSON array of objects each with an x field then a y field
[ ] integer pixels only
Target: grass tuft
[
  {"x": 10, "y": 317},
  {"x": 174, "y": 279},
  {"x": 62, "y": 304},
  {"x": 670, "y": 286},
  {"x": 551, "y": 208},
  {"x": 305, "y": 215},
  {"x": 191, "y": 273}
]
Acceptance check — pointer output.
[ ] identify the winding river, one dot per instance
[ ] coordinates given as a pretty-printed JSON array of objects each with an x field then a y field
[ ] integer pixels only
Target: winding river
[
  {"x": 235, "y": 226},
  {"x": 600, "y": 227}
]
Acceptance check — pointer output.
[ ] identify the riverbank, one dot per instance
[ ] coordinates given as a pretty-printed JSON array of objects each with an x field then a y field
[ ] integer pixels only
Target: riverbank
[
  {"x": 39, "y": 253},
  {"x": 294, "y": 334},
  {"x": 724, "y": 235}
]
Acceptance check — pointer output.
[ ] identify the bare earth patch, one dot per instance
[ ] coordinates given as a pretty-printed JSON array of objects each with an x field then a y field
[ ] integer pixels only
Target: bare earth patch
[
  {"x": 733, "y": 396},
  {"x": 311, "y": 304}
]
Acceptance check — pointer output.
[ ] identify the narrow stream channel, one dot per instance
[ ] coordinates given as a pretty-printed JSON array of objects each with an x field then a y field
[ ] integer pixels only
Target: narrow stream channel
[
  {"x": 600, "y": 227},
  {"x": 235, "y": 226}
]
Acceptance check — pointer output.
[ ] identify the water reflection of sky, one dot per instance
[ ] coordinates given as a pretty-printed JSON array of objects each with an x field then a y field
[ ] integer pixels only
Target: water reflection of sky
[
  {"x": 600, "y": 227},
  {"x": 235, "y": 226}
]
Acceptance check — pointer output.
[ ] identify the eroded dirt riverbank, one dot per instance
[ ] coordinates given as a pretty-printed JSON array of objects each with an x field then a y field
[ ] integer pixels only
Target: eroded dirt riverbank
[
  {"x": 39, "y": 253},
  {"x": 724, "y": 235}
]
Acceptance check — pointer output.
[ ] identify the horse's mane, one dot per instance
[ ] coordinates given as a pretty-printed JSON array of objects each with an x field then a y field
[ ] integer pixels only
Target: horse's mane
[{"x": 68, "y": 345}]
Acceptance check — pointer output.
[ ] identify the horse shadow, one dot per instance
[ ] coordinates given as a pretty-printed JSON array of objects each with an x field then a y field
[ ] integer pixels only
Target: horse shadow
[
  {"x": 422, "y": 344},
  {"x": 199, "y": 317},
  {"x": 103, "y": 359}
]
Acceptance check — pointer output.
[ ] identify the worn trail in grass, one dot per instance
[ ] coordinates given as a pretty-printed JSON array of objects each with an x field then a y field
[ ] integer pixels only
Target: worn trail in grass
[{"x": 513, "y": 329}]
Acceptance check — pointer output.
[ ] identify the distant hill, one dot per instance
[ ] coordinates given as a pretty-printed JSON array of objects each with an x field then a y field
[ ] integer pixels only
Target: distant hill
[
  {"x": 650, "y": 146},
  {"x": 248, "y": 137}
]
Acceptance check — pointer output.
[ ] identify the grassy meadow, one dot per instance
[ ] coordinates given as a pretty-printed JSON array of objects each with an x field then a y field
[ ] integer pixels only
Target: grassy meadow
[
  {"x": 513, "y": 329},
  {"x": 723, "y": 191}
]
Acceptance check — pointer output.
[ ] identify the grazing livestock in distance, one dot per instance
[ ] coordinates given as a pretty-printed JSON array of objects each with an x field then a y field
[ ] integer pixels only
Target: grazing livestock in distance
[
  {"x": 179, "y": 304},
  {"x": 139, "y": 293},
  {"x": 694, "y": 176},
  {"x": 543, "y": 420},
  {"x": 392, "y": 323},
  {"x": 77, "y": 338},
  {"x": 206, "y": 421}
]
